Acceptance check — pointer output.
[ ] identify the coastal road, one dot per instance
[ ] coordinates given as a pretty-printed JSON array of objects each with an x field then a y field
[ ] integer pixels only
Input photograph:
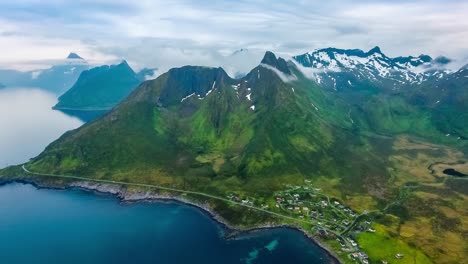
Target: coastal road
[{"x": 165, "y": 189}]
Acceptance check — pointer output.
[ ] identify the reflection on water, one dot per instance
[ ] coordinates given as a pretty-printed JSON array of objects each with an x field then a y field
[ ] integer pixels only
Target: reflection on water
[
  {"x": 85, "y": 116},
  {"x": 28, "y": 123}
]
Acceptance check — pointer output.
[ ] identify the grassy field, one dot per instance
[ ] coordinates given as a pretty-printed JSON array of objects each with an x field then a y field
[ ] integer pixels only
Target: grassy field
[{"x": 382, "y": 246}]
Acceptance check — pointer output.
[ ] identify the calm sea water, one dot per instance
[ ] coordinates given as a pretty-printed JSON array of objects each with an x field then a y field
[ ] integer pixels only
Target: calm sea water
[
  {"x": 28, "y": 124},
  {"x": 74, "y": 226}
]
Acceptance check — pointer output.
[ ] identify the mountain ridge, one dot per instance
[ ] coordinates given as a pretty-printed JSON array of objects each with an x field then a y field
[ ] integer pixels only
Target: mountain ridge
[
  {"x": 100, "y": 87},
  {"x": 347, "y": 66}
]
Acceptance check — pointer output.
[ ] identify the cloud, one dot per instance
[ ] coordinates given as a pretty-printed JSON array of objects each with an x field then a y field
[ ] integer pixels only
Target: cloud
[{"x": 164, "y": 34}]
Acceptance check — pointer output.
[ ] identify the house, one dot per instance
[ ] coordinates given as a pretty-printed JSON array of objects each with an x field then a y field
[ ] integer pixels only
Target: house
[
  {"x": 353, "y": 243},
  {"x": 305, "y": 209},
  {"x": 399, "y": 256}
]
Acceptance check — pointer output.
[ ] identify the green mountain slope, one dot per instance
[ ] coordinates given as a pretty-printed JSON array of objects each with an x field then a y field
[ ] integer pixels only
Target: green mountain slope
[
  {"x": 199, "y": 121},
  {"x": 100, "y": 87}
]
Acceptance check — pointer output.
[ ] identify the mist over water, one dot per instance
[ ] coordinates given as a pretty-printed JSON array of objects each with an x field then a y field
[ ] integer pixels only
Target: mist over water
[{"x": 28, "y": 124}]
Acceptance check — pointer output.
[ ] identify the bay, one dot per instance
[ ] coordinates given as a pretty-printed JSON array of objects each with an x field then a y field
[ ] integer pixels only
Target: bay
[{"x": 75, "y": 226}]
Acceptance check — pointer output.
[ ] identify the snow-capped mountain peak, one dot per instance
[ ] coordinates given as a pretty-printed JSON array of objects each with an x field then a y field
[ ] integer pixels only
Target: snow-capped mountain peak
[{"x": 373, "y": 65}]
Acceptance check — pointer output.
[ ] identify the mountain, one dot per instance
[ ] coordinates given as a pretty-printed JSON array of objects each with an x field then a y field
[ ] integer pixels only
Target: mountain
[
  {"x": 447, "y": 99},
  {"x": 377, "y": 150},
  {"x": 342, "y": 69},
  {"x": 15, "y": 78},
  {"x": 100, "y": 88},
  {"x": 74, "y": 56},
  {"x": 198, "y": 120},
  {"x": 398, "y": 89},
  {"x": 56, "y": 79}
]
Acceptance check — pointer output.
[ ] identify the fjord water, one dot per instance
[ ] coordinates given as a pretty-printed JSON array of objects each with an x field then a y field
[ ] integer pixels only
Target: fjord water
[
  {"x": 74, "y": 226},
  {"x": 28, "y": 123}
]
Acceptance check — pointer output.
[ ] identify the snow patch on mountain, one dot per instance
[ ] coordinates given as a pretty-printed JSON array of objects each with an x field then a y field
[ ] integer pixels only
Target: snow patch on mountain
[
  {"x": 187, "y": 97},
  {"x": 330, "y": 65}
]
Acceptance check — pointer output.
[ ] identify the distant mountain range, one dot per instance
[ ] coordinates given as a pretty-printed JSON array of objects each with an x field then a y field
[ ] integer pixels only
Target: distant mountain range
[
  {"x": 342, "y": 69},
  {"x": 56, "y": 79}
]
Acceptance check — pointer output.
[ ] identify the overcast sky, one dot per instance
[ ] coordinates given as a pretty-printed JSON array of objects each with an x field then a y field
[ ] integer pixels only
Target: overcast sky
[{"x": 178, "y": 32}]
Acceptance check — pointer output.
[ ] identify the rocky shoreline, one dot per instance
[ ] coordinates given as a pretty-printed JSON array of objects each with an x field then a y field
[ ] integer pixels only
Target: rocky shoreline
[{"x": 126, "y": 196}]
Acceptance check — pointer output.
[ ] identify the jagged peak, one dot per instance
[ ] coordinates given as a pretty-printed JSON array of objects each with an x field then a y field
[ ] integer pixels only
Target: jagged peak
[
  {"x": 270, "y": 59},
  {"x": 74, "y": 56},
  {"x": 375, "y": 49},
  {"x": 123, "y": 63}
]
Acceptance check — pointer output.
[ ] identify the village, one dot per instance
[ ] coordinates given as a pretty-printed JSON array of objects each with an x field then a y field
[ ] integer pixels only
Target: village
[{"x": 328, "y": 217}]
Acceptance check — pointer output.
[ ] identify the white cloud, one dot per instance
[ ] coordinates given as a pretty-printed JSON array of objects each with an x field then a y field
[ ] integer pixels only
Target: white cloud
[{"x": 165, "y": 34}]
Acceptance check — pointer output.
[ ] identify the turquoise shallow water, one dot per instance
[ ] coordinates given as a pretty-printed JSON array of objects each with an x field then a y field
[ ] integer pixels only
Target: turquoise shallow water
[{"x": 74, "y": 226}]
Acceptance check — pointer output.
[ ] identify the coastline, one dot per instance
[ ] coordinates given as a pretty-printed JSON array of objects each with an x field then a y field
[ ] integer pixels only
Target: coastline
[{"x": 126, "y": 196}]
